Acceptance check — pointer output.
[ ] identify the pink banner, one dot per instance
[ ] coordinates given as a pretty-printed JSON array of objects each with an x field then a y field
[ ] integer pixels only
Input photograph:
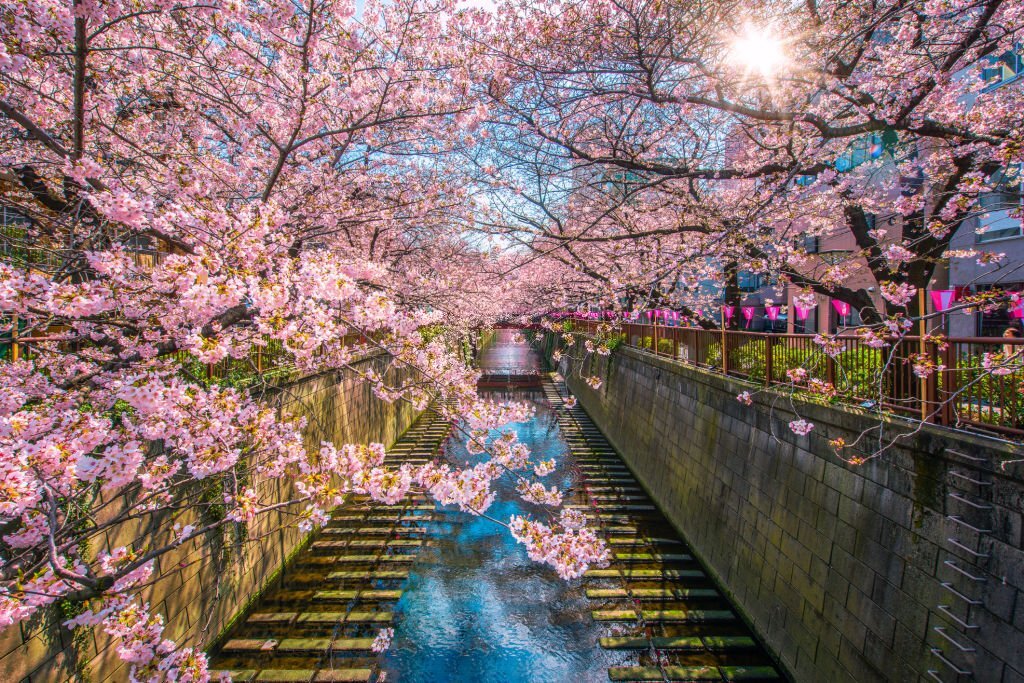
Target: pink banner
[
  {"x": 772, "y": 312},
  {"x": 801, "y": 312},
  {"x": 942, "y": 299},
  {"x": 728, "y": 312}
]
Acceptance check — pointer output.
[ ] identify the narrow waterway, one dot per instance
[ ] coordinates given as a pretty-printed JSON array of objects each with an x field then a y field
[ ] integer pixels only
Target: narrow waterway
[
  {"x": 466, "y": 603},
  {"x": 476, "y": 608}
]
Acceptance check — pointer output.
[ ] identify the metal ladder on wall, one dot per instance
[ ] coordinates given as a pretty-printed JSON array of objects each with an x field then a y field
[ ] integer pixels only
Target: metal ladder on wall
[{"x": 969, "y": 517}]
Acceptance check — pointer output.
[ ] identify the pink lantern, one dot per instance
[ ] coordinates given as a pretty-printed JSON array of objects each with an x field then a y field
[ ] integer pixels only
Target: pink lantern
[
  {"x": 1017, "y": 309},
  {"x": 728, "y": 312},
  {"x": 801, "y": 312},
  {"x": 772, "y": 312},
  {"x": 942, "y": 299},
  {"x": 675, "y": 315},
  {"x": 842, "y": 308},
  {"x": 748, "y": 313}
]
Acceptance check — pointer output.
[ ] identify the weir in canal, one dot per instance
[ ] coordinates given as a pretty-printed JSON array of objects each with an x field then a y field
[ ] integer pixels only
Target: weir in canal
[{"x": 465, "y": 601}]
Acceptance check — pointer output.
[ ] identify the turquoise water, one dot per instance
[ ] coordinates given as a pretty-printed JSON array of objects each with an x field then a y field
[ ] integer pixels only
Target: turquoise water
[{"x": 476, "y": 609}]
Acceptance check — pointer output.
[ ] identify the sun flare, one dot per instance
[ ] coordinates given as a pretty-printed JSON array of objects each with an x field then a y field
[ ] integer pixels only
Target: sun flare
[{"x": 758, "y": 50}]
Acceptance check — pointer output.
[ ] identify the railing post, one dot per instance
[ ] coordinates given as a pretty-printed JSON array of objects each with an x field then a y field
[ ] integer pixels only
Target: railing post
[
  {"x": 948, "y": 384},
  {"x": 15, "y": 348},
  {"x": 654, "y": 337},
  {"x": 725, "y": 351},
  {"x": 768, "y": 360},
  {"x": 924, "y": 385}
]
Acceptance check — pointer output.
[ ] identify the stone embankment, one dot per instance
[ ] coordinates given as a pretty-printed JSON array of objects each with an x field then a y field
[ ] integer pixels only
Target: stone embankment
[{"x": 907, "y": 567}]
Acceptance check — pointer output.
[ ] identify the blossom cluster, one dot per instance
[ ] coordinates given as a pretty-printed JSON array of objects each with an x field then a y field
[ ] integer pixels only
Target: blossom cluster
[{"x": 571, "y": 551}]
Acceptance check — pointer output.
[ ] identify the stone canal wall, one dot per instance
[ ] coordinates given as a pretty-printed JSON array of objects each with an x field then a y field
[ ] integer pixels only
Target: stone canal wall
[
  {"x": 204, "y": 585},
  {"x": 883, "y": 571}
]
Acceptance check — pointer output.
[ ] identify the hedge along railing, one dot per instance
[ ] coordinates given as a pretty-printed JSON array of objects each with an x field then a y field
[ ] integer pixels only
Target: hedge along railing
[{"x": 963, "y": 394}]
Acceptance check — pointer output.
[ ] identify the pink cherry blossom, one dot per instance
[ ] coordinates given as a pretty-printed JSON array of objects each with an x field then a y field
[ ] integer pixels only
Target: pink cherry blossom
[
  {"x": 801, "y": 427},
  {"x": 383, "y": 639}
]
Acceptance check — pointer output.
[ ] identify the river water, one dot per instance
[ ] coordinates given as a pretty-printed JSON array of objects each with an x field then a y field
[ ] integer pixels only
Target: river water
[{"x": 476, "y": 609}]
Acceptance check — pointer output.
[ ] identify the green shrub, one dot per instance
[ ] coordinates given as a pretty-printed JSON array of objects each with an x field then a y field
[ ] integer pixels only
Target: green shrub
[
  {"x": 856, "y": 371},
  {"x": 986, "y": 397},
  {"x": 664, "y": 345}
]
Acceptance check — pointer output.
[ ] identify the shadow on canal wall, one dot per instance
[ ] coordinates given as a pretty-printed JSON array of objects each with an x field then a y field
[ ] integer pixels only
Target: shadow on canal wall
[
  {"x": 908, "y": 564},
  {"x": 203, "y": 586}
]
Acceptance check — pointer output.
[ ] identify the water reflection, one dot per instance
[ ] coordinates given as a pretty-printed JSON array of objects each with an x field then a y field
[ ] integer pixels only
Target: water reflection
[{"x": 476, "y": 609}]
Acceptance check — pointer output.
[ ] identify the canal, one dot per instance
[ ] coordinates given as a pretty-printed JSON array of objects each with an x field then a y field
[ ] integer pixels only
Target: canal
[{"x": 466, "y": 603}]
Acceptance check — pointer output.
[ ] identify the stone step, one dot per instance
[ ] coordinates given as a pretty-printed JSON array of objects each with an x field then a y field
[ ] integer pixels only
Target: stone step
[
  {"x": 250, "y": 645},
  {"x": 640, "y": 541},
  {"x": 608, "y": 509},
  {"x": 353, "y": 617},
  {"x": 692, "y": 673},
  {"x": 277, "y": 618},
  {"x": 374, "y": 531},
  {"x": 236, "y": 675},
  {"x": 353, "y": 594},
  {"x": 668, "y": 673},
  {"x": 367, "y": 543},
  {"x": 285, "y": 676},
  {"x": 643, "y": 574},
  {"x": 369, "y": 575},
  {"x": 607, "y": 518},
  {"x": 310, "y": 645},
  {"x": 396, "y": 518},
  {"x": 399, "y": 506},
  {"x": 355, "y": 559},
  {"x": 696, "y": 616},
  {"x": 622, "y": 556},
  {"x": 652, "y": 593},
  {"x": 710, "y": 643},
  {"x": 309, "y": 676}
]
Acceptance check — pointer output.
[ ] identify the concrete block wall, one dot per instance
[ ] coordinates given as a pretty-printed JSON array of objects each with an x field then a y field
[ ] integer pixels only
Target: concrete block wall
[
  {"x": 849, "y": 572},
  {"x": 199, "y": 591}
]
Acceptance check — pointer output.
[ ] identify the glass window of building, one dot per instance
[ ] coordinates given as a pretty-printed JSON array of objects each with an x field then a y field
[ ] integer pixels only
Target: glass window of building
[{"x": 1000, "y": 209}]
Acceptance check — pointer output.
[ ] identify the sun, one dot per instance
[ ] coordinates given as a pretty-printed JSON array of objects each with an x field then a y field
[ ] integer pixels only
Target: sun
[{"x": 758, "y": 50}]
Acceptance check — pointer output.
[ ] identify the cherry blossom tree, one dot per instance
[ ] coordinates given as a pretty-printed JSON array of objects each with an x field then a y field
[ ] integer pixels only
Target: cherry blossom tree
[
  {"x": 196, "y": 182},
  {"x": 718, "y": 130},
  {"x": 656, "y": 148}
]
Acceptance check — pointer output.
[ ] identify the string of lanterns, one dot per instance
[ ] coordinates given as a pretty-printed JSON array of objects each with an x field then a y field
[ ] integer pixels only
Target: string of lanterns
[{"x": 941, "y": 299}]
